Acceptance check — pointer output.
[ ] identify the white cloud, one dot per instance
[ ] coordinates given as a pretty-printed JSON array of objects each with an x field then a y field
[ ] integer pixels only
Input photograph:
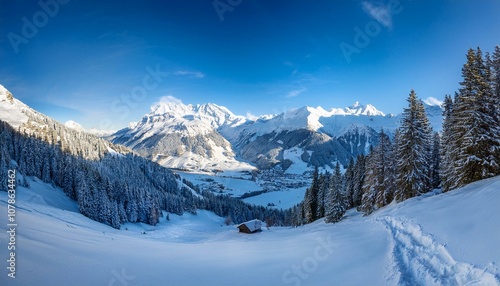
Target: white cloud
[
  {"x": 380, "y": 13},
  {"x": 195, "y": 74},
  {"x": 251, "y": 116},
  {"x": 432, "y": 101},
  {"x": 169, "y": 99},
  {"x": 296, "y": 92},
  {"x": 168, "y": 103}
]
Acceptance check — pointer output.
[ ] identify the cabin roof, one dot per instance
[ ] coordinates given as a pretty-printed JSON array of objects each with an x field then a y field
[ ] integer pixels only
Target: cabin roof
[{"x": 251, "y": 225}]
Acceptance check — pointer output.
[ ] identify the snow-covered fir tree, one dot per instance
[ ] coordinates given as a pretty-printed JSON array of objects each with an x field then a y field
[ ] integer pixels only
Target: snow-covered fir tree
[
  {"x": 495, "y": 82},
  {"x": 385, "y": 171},
  {"x": 378, "y": 188},
  {"x": 448, "y": 158},
  {"x": 369, "y": 192},
  {"x": 348, "y": 185},
  {"x": 474, "y": 125},
  {"x": 358, "y": 180},
  {"x": 337, "y": 201},
  {"x": 311, "y": 198},
  {"x": 322, "y": 194},
  {"x": 412, "y": 151},
  {"x": 435, "y": 162}
]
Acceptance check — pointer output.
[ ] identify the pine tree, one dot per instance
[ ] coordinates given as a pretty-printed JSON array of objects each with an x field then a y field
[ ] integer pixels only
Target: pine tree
[
  {"x": 495, "y": 73},
  {"x": 435, "y": 161},
  {"x": 311, "y": 199},
  {"x": 475, "y": 126},
  {"x": 447, "y": 147},
  {"x": 378, "y": 189},
  {"x": 385, "y": 171},
  {"x": 413, "y": 151},
  {"x": 348, "y": 186},
  {"x": 369, "y": 192},
  {"x": 358, "y": 180},
  {"x": 322, "y": 194},
  {"x": 495, "y": 83},
  {"x": 337, "y": 202}
]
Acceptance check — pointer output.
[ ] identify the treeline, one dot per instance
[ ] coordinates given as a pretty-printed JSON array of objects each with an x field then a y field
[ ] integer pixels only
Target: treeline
[{"x": 418, "y": 160}]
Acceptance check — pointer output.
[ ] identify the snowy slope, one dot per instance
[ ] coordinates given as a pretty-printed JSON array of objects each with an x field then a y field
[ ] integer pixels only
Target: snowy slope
[{"x": 444, "y": 239}]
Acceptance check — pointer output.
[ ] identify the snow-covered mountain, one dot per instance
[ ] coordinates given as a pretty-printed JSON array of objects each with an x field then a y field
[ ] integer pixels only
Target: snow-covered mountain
[
  {"x": 210, "y": 137},
  {"x": 78, "y": 127},
  {"x": 184, "y": 136},
  {"x": 434, "y": 111}
]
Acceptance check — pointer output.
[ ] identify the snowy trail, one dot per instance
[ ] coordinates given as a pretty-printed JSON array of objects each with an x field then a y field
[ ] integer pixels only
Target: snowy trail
[{"x": 419, "y": 259}]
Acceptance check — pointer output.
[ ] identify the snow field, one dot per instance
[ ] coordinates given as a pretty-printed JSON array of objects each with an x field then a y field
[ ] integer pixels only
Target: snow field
[{"x": 443, "y": 239}]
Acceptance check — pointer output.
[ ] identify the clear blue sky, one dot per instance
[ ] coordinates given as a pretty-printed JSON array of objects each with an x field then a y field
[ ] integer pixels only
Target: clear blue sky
[{"x": 104, "y": 63}]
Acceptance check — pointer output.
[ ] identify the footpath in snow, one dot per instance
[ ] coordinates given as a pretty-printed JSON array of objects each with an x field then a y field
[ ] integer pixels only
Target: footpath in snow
[{"x": 419, "y": 259}]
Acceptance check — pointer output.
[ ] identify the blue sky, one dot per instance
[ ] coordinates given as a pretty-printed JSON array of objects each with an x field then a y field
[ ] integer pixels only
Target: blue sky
[{"x": 104, "y": 63}]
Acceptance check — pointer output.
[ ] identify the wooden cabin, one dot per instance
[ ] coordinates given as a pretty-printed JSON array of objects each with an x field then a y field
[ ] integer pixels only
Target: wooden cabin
[{"x": 251, "y": 226}]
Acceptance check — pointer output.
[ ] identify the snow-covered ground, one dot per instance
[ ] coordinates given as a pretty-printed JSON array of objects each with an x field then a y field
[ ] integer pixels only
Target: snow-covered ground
[{"x": 436, "y": 239}]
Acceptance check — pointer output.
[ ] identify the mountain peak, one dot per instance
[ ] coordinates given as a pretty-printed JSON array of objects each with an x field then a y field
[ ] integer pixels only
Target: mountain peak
[
  {"x": 360, "y": 109},
  {"x": 432, "y": 101},
  {"x": 356, "y": 105},
  {"x": 169, "y": 104},
  {"x": 74, "y": 125},
  {"x": 209, "y": 113}
]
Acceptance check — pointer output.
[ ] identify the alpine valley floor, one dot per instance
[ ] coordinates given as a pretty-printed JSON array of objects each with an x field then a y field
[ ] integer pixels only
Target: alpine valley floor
[{"x": 435, "y": 239}]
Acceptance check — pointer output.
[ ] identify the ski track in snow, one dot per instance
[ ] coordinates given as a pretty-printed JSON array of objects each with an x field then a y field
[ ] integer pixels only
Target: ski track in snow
[{"x": 420, "y": 260}]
